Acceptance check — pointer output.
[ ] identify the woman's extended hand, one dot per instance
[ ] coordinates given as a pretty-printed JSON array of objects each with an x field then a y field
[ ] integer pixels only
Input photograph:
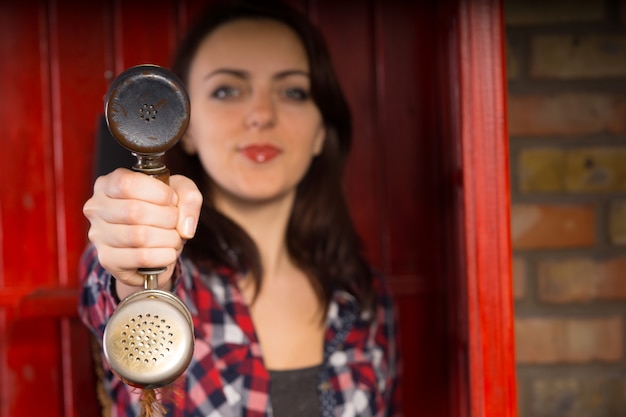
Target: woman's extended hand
[{"x": 139, "y": 222}]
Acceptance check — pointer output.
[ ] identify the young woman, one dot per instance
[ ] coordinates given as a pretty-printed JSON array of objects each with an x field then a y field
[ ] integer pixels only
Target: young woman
[{"x": 289, "y": 318}]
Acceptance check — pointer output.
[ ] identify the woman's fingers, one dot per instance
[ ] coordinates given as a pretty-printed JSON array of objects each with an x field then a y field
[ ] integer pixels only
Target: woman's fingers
[
  {"x": 140, "y": 222},
  {"x": 131, "y": 212},
  {"x": 125, "y": 184},
  {"x": 118, "y": 260},
  {"x": 127, "y": 197},
  {"x": 135, "y": 236}
]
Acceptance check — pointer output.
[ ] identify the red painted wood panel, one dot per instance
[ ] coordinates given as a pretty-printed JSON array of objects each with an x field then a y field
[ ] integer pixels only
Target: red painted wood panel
[
  {"x": 486, "y": 204},
  {"x": 77, "y": 85},
  {"x": 405, "y": 132},
  {"x": 412, "y": 209},
  {"x": 481, "y": 303},
  {"x": 26, "y": 163},
  {"x": 144, "y": 32},
  {"x": 29, "y": 251},
  {"x": 188, "y": 9}
]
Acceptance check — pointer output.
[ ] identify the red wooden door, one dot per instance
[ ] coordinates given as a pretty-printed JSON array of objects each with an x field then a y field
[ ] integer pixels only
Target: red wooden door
[{"x": 427, "y": 183}]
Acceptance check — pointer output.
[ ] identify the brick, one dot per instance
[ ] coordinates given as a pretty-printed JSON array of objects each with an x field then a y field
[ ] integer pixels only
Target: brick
[
  {"x": 551, "y": 396},
  {"x": 617, "y": 223},
  {"x": 594, "y": 339},
  {"x": 597, "y": 169},
  {"x": 552, "y": 340},
  {"x": 539, "y": 340},
  {"x": 597, "y": 396},
  {"x": 611, "y": 278},
  {"x": 519, "y": 278},
  {"x": 584, "y": 170},
  {"x": 566, "y": 281},
  {"x": 581, "y": 280},
  {"x": 537, "y": 12},
  {"x": 541, "y": 170},
  {"x": 566, "y": 114},
  {"x": 578, "y": 56},
  {"x": 552, "y": 226}
]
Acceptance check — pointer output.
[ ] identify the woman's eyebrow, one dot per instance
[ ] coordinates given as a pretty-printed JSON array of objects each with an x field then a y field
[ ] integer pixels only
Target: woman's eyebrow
[
  {"x": 288, "y": 73},
  {"x": 228, "y": 71},
  {"x": 246, "y": 75}
]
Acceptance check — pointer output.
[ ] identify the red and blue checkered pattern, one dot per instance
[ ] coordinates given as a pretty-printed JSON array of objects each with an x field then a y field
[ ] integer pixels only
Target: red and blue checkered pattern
[{"x": 227, "y": 376}]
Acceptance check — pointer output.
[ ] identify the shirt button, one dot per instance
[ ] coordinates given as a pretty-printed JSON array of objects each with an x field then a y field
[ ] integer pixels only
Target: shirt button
[{"x": 325, "y": 386}]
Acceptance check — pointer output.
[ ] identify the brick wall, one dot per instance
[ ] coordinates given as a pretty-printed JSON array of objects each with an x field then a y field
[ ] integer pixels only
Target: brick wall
[{"x": 566, "y": 65}]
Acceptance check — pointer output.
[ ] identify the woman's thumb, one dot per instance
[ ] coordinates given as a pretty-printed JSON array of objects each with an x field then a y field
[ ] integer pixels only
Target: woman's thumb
[{"x": 189, "y": 204}]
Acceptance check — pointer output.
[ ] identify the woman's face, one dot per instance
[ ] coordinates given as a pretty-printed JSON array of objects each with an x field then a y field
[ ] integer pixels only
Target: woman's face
[{"x": 253, "y": 122}]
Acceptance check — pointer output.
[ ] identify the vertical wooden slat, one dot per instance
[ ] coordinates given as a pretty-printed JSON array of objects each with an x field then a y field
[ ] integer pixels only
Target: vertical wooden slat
[
  {"x": 26, "y": 165},
  {"x": 78, "y": 82},
  {"x": 28, "y": 208},
  {"x": 406, "y": 62},
  {"x": 450, "y": 110},
  {"x": 485, "y": 205},
  {"x": 5, "y": 47},
  {"x": 404, "y": 135},
  {"x": 5, "y": 380}
]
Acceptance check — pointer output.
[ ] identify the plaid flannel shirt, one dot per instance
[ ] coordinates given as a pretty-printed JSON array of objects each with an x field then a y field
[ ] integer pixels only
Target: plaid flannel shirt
[{"x": 227, "y": 376}]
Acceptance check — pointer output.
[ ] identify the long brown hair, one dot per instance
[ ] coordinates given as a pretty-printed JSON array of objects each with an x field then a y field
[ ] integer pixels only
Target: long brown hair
[{"x": 321, "y": 238}]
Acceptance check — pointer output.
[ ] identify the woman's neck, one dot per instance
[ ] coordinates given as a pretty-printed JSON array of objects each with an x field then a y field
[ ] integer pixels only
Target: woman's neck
[{"x": 266, "y": 223}]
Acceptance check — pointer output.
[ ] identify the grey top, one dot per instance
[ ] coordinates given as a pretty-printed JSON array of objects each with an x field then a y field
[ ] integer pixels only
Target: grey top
[{"x": 294, "y": 392}]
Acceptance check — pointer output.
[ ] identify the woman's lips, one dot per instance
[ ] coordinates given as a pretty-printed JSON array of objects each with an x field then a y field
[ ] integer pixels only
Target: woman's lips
[{"x": 260, "y": 153}]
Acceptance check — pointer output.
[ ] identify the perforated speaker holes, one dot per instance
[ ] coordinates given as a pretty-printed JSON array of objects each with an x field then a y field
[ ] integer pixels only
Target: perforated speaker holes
[
  {"x": 147, "y": 112},
  {"x": 147, "y": 338}
]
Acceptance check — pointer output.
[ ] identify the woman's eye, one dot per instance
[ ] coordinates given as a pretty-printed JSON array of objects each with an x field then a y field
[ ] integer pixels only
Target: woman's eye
[
  {"x": 224, "y": 93},
  {"x": 298, "y": 94}
]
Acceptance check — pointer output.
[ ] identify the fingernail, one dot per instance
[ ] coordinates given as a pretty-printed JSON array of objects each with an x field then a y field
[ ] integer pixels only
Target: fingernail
[{"x": 189, "y": 226}]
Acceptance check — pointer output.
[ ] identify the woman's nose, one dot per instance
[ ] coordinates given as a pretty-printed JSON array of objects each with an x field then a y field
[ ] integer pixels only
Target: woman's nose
[{"x": 262, "y": 112}]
